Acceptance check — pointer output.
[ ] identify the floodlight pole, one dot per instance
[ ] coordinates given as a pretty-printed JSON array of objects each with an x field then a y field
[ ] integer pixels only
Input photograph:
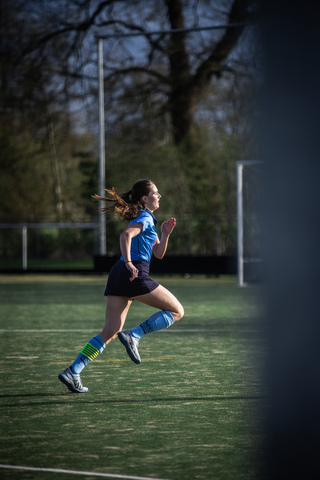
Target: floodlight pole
[
  {"x": 102, "y": 223},
  {"x": 240, "y": 221}
]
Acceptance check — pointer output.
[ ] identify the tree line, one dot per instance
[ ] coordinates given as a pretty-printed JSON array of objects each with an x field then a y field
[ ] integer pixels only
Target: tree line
[{"x": 179, "y": 108}]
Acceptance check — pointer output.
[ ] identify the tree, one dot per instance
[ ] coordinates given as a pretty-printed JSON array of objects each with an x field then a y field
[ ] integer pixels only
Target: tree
[
  {"x": 175, "y": 106},
  {"x": 40, "y": 145},
  {"x": 170, "y": 71}
]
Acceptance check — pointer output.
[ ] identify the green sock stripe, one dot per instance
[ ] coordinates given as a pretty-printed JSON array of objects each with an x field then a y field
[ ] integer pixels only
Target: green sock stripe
[{"x": 90, "y": 351}]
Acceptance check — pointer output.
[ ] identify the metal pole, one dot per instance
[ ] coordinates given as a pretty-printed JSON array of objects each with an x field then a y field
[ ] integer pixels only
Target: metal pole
[
  {"x": 240, "y": 223},
  {"x": 24, "y": 248},
  {"x": 102, "y": 224}
]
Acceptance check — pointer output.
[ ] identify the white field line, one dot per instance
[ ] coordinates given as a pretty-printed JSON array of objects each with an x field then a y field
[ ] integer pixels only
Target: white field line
[
  {"x": 45, "y": 330},
  {"x": 22, "y": 358},
  {"x": 170, "y": 330},
  {"x": 77, "y": 472}
]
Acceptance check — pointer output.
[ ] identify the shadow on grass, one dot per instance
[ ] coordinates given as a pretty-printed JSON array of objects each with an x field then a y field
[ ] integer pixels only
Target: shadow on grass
[{"x": 217, "y": 398}]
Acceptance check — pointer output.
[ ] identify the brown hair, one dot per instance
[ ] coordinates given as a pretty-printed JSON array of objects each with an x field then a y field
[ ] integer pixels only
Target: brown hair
[{"x": 128, "y": 204}]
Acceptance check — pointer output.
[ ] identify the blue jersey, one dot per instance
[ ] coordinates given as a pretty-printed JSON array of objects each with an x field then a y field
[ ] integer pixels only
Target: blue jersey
[{"x": 142, "y": 244}]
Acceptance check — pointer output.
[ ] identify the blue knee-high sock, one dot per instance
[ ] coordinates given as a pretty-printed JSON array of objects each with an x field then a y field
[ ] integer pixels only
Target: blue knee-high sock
[
  {"x": 90, "y": 351},
  {"x": 157, "y": 321}
]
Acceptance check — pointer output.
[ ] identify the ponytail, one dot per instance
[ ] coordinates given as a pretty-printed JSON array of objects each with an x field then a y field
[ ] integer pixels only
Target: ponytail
[{"x": 127, "y": 205}]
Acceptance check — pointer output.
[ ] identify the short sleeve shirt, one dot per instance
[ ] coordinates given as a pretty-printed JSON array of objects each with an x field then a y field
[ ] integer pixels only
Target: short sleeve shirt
[{"x": 142, "y": 244}]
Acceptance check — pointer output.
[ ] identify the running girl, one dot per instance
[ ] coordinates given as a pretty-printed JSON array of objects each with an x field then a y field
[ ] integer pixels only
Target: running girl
[{"x": 129, "y": 279}]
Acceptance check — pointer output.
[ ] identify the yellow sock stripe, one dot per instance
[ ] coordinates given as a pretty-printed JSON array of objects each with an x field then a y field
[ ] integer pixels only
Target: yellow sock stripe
[{"x": 90, "y": 351}]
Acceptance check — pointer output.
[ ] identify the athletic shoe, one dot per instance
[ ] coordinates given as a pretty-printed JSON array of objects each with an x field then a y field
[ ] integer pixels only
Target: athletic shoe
[
  {"x": 131, "y": 345},
  {"x": 72, "y": 381}
]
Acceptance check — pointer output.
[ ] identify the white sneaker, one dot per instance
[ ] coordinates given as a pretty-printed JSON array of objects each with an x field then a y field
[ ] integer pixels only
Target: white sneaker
[
  {"x": 131, "y": 345},
  {"x": 72, "y": 381}
]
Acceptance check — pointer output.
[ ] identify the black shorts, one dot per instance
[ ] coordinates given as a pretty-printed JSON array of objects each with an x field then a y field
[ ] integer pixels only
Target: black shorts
[{"x": 119, "y": 284}]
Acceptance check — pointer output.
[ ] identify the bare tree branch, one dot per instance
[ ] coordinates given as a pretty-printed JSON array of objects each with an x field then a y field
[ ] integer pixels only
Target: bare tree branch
[{"x": 214, "y": 63}]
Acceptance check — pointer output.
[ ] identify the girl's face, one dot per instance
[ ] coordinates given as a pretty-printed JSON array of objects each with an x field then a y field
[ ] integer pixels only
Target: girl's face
[{"x": 151, "y": 201}]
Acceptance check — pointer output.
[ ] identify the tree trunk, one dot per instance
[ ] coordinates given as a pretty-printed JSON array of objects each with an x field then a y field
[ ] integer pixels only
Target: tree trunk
[
  {"x": 181, "y": 103},
  {"x": 186, "y": 88}
]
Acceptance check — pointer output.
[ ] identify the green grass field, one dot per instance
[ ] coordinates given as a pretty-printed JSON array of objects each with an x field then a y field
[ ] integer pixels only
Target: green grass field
[{"x": 190, "y": 410}]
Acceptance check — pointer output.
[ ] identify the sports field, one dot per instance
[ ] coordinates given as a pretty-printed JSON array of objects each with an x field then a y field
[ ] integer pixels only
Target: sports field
[{"x": 190, "y": 410}]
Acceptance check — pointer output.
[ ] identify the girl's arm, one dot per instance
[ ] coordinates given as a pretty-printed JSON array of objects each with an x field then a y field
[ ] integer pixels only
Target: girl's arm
[
  {"x": 125, "y": 246},
  {"x": 160, "y": 248}
]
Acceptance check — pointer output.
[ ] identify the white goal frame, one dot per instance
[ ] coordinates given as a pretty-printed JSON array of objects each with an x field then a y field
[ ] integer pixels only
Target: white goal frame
[{"x": 240, "y": 218}]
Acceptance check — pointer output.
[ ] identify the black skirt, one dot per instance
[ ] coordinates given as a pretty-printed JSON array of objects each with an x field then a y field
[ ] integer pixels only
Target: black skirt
[{"x": 119, "y": 284}]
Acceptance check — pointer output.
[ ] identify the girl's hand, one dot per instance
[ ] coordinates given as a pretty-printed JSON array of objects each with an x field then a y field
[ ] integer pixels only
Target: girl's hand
[
  {"x": 134, "y": 271},
  {"x": 168, "y": 226}
]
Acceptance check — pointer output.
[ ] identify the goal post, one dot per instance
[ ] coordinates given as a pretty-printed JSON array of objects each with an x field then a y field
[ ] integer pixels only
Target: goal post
[{"x": 249, "y": 221}]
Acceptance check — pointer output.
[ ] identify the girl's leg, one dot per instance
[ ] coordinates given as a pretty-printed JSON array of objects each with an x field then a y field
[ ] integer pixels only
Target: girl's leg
[
  {"x": 116, "y": 312},
  {"x": 163, "y": 299},
  {"x": 171, "y": 310}
]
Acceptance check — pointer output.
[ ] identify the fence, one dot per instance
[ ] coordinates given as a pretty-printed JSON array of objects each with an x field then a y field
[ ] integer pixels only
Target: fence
[
  {"x": 56, "y": 246},
  {"x": 25, "y": 227}
]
